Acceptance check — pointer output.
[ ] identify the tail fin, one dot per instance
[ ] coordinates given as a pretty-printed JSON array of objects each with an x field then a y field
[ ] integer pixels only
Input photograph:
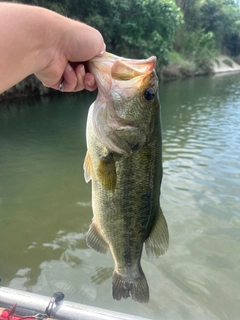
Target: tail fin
[{"x": 124, "y": 287}]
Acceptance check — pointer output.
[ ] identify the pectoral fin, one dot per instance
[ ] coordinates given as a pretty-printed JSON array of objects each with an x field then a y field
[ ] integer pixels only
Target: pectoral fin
[
  {"x": 87, "y": 166},
  {"x": 157, "y": 242},
  {"x": 106, "y": 171},
  {"x": 95, "y": 239}
]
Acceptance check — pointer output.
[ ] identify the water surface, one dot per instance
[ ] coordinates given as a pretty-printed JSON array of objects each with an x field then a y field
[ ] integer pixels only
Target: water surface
[{"x": 45, "y": 204}]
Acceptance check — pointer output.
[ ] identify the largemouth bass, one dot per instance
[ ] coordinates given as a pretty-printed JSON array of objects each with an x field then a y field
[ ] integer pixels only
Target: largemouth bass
[{"x": 124, "y": 162}]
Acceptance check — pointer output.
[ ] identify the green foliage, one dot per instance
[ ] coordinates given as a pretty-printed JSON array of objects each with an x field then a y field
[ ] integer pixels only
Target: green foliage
[
  {"x": 132, "y": 28},
  {"x": 188, "y": 68},
  {"x": 198, "y": 48},
  {"x": 191, "y": 13},
  {"x": 237, "y": 59},
  {"x": 228, "y": 62},
  {"x": 137, "y": 28},
  {"x": 205, "y": 51},
  {"x": 179, "y": 67},
  {"x": 222, "y": 17},
  {"x": 217, "y": 62},
  {"x": 175, "y": 58},
  {"x": 209, "y": 26}
]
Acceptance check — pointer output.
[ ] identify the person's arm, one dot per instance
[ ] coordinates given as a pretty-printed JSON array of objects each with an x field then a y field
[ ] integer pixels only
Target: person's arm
[{"x": 40, "y": 41}]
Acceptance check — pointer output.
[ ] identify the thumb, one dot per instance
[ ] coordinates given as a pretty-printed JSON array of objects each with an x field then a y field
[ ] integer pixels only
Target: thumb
[{"x": 85, "y": 43}]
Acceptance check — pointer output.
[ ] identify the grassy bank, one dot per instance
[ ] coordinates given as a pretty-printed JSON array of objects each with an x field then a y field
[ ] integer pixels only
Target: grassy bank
[{"x": 181, "y": 66}]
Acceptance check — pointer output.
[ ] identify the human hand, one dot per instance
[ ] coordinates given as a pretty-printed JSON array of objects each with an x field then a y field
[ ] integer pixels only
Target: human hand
[
  {"x": 47, "y": 44},
  {"x": 66, "y": 70}
]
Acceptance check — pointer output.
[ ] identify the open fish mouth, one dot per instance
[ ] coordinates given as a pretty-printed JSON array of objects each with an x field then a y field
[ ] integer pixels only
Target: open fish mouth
[
  {"x": 120, "y": 68},
  {"x": 120, "y": 81}
]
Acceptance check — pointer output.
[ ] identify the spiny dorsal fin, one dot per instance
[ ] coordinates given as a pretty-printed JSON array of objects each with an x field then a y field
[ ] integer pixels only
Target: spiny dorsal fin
[
  {"x": 95, "y": 239},
  {"x": 157, "y": 242},
  {"x": 106, "y": 172},
  {"x": 87, "y": 166}
]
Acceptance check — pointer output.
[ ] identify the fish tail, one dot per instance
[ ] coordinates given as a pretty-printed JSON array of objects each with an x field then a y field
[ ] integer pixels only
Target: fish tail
[{"x": 124, "y": 287}]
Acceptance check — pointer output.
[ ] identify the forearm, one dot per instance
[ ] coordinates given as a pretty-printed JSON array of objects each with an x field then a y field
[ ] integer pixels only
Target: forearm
[{"x": 22, "y": 32}]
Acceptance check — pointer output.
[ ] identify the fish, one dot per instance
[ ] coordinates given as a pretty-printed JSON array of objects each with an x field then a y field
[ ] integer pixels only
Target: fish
[{"x": 124, "y": 163}]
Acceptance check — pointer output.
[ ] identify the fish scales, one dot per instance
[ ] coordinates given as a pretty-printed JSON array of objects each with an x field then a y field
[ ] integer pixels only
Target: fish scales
[{"x": 124, "y": 163}]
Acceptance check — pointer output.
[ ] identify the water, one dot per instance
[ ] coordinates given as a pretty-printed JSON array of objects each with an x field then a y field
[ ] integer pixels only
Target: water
[{"x": 45, "y": 204}]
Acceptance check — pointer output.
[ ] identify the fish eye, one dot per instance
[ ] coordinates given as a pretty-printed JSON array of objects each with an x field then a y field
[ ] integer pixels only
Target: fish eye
[{"x": 149, "y": 94}]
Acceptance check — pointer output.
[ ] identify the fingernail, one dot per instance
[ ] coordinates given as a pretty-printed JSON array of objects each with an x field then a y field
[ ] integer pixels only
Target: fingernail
[
  {"x": 91, "y": 82},
  {"x": 82, "y": 71},
  {"x": 103, "y": 51},
  {"x": 69, "y": 67}
]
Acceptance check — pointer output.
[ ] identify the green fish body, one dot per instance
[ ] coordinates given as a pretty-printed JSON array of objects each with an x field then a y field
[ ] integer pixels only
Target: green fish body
[{"x": 124, "y": 163}]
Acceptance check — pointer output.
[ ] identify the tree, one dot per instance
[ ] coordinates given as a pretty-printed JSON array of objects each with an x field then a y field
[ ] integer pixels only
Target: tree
[
  {"x": 132, "y": 28},
  {"x": 222, "y": 17},
  {"x": 137, "y": 28}
]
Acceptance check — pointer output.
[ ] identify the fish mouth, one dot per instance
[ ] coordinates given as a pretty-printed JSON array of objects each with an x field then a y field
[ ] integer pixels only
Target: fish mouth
[
  {"x": 111, "y": 56},
  {"x": 120, "y": 81},
  {"x": 140, "y": 66},
  {"x": 119, "y": 68}
]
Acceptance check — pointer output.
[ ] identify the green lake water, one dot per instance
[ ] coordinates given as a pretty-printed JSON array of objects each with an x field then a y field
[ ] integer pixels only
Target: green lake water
[{"x": 45, "y": 204}]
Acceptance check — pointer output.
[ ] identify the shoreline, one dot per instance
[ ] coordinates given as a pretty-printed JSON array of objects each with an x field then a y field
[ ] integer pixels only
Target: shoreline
[
  {"x": 221, "y": 64},
  {"x": 224, "y": 64}
]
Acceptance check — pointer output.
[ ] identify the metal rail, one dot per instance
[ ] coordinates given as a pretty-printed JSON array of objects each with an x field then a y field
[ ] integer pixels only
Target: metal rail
[{"x": 64, "y": 310}]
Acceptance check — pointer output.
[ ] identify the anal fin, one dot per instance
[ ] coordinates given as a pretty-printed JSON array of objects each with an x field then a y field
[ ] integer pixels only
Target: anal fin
[
  {"x": 158, "y": 241},
  {"x": 95, "y": 239}
]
